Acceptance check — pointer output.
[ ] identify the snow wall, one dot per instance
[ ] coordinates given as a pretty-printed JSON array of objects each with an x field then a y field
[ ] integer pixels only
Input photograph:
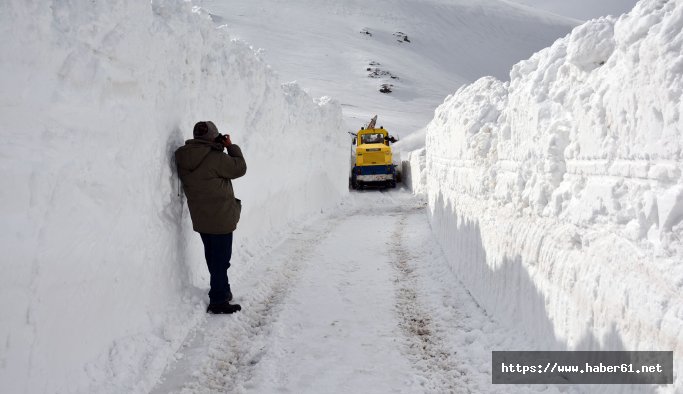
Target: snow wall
[
  {"x": 102, "y": 276},
  {"x": 558, "y": 196}
]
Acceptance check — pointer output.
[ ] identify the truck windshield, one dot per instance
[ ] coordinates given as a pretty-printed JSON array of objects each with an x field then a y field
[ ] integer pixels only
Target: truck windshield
[{"x": 372, "y": 138}]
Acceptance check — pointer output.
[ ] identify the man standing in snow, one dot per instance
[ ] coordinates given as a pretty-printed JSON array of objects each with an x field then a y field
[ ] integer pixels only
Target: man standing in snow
[{"x": 206, "y": 173}]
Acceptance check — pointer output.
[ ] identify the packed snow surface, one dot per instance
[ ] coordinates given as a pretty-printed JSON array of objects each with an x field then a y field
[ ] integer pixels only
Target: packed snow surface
[
  {"x": 358, "y": 301},
  {"x": 558, "y": 196},
  {"x": 102, "y": 276}
]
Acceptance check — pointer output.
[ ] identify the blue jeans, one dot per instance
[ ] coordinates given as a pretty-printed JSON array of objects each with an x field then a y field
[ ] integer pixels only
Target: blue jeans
[{"x": 218, "y": 250}]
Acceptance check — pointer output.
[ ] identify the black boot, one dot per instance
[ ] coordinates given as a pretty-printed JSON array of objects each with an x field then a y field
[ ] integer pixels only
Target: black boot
[
  {"x": 223, "y": 308},
  {"x": 229, "y": 295}
]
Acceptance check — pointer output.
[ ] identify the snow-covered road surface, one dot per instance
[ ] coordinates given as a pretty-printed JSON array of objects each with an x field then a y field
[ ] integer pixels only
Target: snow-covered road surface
[{"x": 358, "y": 301}]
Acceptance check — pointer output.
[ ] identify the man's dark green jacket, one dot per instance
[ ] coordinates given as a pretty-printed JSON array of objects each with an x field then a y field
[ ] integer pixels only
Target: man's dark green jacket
[{"x": 206, "y": 173}]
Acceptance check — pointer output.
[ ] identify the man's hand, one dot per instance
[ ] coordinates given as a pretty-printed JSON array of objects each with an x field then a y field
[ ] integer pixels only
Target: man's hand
[{"x": 226, "y": 141}]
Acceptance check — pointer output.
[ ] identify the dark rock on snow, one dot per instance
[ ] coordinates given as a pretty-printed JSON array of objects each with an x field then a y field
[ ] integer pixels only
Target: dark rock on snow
[{"x": 386, "y": 88}]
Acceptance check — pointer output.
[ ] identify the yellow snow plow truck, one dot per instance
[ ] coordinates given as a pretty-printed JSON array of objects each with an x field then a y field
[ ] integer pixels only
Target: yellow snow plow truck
[{"x": 372, "y": 164}]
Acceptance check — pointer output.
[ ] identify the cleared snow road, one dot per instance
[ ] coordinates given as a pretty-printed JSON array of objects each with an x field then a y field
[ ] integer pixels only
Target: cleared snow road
[{"x": 361, "y": 301}]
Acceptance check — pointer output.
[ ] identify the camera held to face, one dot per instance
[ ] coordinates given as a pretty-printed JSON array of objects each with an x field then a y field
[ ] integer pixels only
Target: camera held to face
[{"x": 221, "y": 138}]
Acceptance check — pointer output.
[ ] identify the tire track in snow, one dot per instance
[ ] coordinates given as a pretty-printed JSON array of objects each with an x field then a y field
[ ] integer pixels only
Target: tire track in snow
[
  {"x": 236, "y": 343},
  {"x": 451, "y": 339},
  {"x": 424, "y": 345}
]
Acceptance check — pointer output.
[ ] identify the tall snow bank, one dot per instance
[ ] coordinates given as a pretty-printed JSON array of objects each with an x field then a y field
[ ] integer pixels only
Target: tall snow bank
[
  {"x": 102, "y": 276},
  {"x": 558, "y": 196}
]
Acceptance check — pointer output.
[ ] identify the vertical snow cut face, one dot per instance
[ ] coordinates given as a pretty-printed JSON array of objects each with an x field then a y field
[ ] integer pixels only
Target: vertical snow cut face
[
  {"x": 558, "y": 196},
  {"x": 102, "y": 276}
]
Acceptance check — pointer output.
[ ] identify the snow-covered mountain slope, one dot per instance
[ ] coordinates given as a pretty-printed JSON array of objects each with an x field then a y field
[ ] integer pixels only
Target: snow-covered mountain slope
[
  {"x": 581, "y": 9},
  {"x": 558, "y": 196},
  {"x": 331, "y": 48},
  {"x": 101, "y": 274}
]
